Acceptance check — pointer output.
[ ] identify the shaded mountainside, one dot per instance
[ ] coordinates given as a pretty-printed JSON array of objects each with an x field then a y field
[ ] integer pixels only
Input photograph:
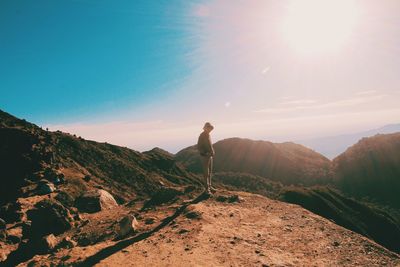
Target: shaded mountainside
[
  {"x": 371, "y": 169},
  {"x": 364, "y": 219},
  {"x": 380, "y": 224},
  {"x": 288, "y": 162},
  {"x": 29, "y": 154}
]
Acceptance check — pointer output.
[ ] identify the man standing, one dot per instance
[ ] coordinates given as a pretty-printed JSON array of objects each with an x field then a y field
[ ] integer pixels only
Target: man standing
[{"x": 206, "y": 150}]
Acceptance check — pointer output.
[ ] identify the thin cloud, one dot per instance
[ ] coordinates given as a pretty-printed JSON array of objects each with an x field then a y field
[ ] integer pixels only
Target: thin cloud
[
  {"x": 353, "y": 101},
  {"x": 367, "y": 92},
  {"x": 298, "y": 102}
]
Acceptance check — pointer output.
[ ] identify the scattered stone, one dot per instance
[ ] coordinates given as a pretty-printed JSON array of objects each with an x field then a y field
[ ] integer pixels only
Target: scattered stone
[
  {"x": 77, "y": 217},
  {"x": 189, "y": 189},
  {"x": 127, "y": 225},
  {"x": 49, "y": 217},
  {"x": 67, "y": 242},
  {"x": 26, "y": 229},
  {"x": 2, "y": 224},
  {"x": 221, "y": 198},
  {"x": 64, "y": 198},
  {"x": 13, "y": 239},
  {"x": 193, "y": 215},
  {"x": 149, "y": 221},
  {"x": 229, "y": 199},
  {"x": 3, "y": 235},
  {"x": 182, "y": 231},
  {"x": 45, "y": 187},
  {"x": 11, "y": 212},
  {"x": 95, "y": 200},
  {"x": 87, "y": 178},
  {"x": 3, "y": 256},
  {"x": 164, "y": 195}
]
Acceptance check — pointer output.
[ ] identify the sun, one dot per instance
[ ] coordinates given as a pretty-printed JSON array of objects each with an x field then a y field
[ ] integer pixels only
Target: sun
[{"x": 314, "y": 26}]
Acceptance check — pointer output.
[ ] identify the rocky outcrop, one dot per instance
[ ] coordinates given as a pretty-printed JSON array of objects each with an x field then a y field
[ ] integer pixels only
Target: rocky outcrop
[
  {"x": 95, "y": 200},
  {"x": 49, "y": 217}
]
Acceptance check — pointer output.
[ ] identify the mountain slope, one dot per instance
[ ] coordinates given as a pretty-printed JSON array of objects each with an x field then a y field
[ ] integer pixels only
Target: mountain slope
[
  {"x": 288, "y": 163},
  {"x": 371, "y": 169}
]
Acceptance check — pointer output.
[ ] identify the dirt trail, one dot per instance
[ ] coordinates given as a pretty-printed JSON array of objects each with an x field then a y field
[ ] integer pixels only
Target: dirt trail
[{"x": 255, "y": 232}]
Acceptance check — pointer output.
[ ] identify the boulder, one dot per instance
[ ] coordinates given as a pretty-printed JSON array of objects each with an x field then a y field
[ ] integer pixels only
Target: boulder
[
  {"x": 95, "y": 200},
  {"x": 45, "y": 188},
  {"x": 49, "y": 217},
  {"x": 127, "y": 225}
]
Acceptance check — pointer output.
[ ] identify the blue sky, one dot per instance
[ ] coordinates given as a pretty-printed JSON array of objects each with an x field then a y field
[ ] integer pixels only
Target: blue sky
[
  {"x": 150, "y": 73},
  {"x": 65, "y": 60}
]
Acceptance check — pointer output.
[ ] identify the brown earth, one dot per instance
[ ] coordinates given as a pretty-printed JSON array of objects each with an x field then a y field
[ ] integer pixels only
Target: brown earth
[{"x": 242, "y": 230}]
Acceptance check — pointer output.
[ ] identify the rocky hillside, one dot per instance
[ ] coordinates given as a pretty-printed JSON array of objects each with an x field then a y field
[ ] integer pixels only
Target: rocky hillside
[
  {"x": 371, "y": 169},
  {"x": 29, "y": 154},
  {"x": 288, "y": 163}
]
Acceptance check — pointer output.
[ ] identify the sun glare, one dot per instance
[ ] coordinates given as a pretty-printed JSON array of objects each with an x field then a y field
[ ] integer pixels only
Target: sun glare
[{"x": 314, "y": 26}]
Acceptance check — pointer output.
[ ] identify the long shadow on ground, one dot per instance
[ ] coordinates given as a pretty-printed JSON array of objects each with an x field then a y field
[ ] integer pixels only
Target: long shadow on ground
[{"x": 108, "y": 251}]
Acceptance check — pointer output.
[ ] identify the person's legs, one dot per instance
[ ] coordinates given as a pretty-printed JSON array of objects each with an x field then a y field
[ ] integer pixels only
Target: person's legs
[
  {"x": 206, "y": 170},
  {"x": 210, "y": 167}
]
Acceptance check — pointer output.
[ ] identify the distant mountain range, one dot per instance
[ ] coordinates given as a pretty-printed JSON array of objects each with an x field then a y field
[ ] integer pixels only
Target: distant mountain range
[{"x": 332, "y": 146}]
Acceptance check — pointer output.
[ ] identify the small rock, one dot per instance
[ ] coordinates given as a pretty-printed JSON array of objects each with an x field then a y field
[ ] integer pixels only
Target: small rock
[
  {"x": 14, "y": 239},
  {"x": 64, "y": 198},
  {"x": 45, "y": 188},
  {"x": 336, "y": 243},
  {"x": 193, "y": 215},
  {"x": 182, "y": 231},
  {"x": 2, "y": 224},
  {"x": 47, "y": 243},
  {"x": 67, "y": 242},
  {"x": 221, "y": 198},
  {"x": 189, "y": 189},
  {"x": 27, "y": 229},
  {"x": 164, "y": 195},
  {"x": 3, "y": 256},
  {"x": 127, "y": 225},
  {"x": 149, "y": 220},
  {"x": 3, "y": 234}
]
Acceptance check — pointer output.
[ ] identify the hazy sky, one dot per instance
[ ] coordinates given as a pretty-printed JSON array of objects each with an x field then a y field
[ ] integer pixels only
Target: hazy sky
[{"x": 150, "y": 73}]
